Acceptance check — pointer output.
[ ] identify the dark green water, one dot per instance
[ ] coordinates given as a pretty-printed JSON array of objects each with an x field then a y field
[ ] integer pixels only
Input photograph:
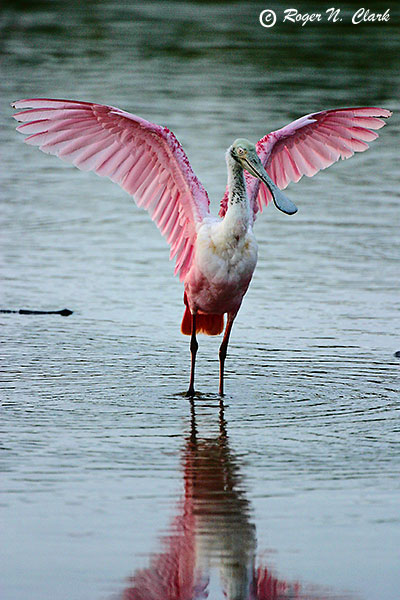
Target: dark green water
[{"x": 111, "y": 480}]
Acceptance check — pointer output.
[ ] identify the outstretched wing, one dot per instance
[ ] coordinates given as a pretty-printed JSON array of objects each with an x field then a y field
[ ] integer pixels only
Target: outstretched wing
[
  {"x": 145, "y": 159},
  {"x": 310, "y": 144}
]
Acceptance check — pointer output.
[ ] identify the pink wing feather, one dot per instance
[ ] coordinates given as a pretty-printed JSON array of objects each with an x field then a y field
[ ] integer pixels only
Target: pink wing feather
[
  {"x": 145, "y": 159},
  {"x": 308, "y": 145}
]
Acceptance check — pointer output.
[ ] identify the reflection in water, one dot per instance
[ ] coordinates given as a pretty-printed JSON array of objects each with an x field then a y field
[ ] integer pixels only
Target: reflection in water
[{"x": 211, "y": 548}]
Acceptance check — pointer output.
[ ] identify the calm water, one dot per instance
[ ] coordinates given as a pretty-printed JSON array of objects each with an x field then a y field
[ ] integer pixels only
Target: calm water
[{"x": 114, "y": 485}]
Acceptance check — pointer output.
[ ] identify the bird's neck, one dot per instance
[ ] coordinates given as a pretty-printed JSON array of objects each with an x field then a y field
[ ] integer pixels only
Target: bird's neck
[{"x": 237, "y": 215}]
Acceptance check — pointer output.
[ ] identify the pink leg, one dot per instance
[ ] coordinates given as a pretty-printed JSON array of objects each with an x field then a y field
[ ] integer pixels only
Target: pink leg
[
  {"x": 223, "y": 349},
  {"x": 193, "y": 350}
]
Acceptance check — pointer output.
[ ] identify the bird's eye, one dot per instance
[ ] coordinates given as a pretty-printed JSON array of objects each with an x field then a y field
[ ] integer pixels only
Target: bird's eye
[{"x": 241, "y": 151}]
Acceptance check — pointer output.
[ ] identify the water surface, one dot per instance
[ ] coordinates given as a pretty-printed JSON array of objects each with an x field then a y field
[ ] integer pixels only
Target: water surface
[{"x": 110, "y": 476}]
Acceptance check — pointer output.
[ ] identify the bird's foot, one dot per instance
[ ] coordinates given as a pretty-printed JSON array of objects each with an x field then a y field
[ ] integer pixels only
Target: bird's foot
[{"x": 190, "y": 393}]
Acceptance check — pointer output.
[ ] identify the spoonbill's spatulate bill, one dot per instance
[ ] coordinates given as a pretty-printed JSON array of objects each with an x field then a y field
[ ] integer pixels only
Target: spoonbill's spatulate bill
[{"x": 215, "y": 256}]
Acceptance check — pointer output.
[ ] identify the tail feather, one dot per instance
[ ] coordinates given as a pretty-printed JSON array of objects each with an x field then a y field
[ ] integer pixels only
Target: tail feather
[{"x": 205, "y": 323}]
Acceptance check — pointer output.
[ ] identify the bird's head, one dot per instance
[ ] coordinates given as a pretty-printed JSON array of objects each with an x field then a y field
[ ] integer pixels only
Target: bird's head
[{"x": 244, "y": 153}]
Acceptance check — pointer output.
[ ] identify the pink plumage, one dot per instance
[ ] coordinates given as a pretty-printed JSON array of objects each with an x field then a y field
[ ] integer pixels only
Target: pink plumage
[
  {"x": 214, "y": 257},
  {"x": 145, "y": 159},
  {"x": 309, "y": 144}
]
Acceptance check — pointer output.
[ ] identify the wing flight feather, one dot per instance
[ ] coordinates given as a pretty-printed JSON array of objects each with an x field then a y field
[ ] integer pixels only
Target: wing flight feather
[
  {"x": 145, "y": 159},
  {"x": 309, "y": 144}
]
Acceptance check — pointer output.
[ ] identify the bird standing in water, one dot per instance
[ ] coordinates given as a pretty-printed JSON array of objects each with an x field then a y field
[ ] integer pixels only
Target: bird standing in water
[{"x": 215, "y": 256}]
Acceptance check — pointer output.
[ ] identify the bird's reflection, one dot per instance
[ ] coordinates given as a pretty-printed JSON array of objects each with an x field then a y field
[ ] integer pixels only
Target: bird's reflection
[
  {"x": 225, "y": 540},
  {"x": 210, "y": 551}
]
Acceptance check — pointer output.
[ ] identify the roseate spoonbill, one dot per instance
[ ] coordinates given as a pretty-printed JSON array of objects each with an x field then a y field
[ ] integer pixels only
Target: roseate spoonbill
[{"x": 215, "y": 257}]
